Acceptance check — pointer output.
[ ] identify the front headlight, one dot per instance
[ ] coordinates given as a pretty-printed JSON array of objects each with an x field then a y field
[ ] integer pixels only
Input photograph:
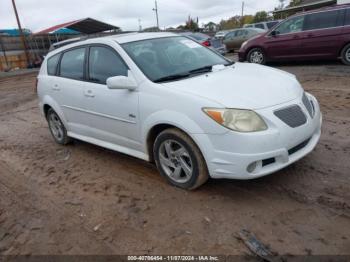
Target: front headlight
[
  {"x": 237, "y": 119},
  {"x": 244, "y": 44}
]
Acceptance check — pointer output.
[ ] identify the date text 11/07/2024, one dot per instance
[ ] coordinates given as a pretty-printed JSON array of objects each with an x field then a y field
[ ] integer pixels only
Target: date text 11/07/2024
[{"x": 173, "y": 258}]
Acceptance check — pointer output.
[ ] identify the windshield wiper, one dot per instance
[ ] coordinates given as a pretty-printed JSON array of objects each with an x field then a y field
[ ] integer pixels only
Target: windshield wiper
[
  {"x": 230, "y": 63},
  {"x": 204, "y": 69},
  {"x": 172, "y": 77}
]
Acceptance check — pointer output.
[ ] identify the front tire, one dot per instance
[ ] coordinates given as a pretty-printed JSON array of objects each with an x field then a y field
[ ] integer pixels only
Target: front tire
[
  {"x": 179, "y": 160},
  {"x": 256, "y": 56},
  {"x": 57, "y": 129},
  {"x": 345, "y": 55}
]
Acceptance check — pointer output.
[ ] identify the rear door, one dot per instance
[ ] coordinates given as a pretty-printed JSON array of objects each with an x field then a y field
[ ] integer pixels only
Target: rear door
[
  {"x": 346, "y": 29},
  {"x": 68, "y": 89},
  {"x": 228, "y": 40},
  {"x": 322, "y": 34},
  {"x": 237, "y": 40},
  {"x": 286, "y": 43}
]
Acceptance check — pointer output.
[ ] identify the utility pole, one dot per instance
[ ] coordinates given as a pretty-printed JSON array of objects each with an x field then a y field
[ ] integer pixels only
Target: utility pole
[
  {"x": 156, "y": 10},
  {"x": 4, "y": 51},
  {"x": 21, "y": 33},
  {"x": 140, "y": 26},
  {"x": 242, "y": 18}
]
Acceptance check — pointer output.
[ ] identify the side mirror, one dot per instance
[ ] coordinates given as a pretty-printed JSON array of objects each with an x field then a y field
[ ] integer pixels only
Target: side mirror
[
  {"x": 122, "y": 82},
  {"x": 274, "y": 33}
]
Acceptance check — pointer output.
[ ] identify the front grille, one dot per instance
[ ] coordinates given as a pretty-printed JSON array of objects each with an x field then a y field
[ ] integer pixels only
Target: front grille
[
  {"x": 298, "y": 147},
  {"x": 292, "y": 116},
  {"x": 308, "y": 105}
]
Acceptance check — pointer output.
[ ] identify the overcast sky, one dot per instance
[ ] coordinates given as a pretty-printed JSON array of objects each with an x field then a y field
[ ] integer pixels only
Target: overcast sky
[{"x": 41, "y": 14}]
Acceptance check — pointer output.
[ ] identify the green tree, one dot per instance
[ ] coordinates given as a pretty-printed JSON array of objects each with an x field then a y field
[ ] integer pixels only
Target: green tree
[
  {"x": 248, "y": 19},
  {"x": 295, "y": 3},
  {"x": 261, "y": 17},
  {"x": 191, "y": 24}
]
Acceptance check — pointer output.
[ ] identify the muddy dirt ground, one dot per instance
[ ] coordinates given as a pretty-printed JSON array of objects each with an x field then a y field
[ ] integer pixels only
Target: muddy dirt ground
[{"x": 83, "y": 199}]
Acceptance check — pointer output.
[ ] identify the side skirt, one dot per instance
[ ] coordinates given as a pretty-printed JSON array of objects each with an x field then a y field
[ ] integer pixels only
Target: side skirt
[{"x": 121, "y": 149}]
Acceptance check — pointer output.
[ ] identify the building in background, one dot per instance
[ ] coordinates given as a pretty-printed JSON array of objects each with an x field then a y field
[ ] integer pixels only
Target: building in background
[
  {"x": 306, "y": 5},
  {"x": 14, "y": 32},
  {"x": 12, "y": 55},
  {"x": 82, "y": 26}
]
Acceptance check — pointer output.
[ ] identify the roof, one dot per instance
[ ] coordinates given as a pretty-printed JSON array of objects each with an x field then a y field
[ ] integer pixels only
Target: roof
[
  {"x": 121, "y": 39},
  {"x": 85, "y": 26},
  {"x": 307, "y": 5},
  {"x": 133, "y": 37}
]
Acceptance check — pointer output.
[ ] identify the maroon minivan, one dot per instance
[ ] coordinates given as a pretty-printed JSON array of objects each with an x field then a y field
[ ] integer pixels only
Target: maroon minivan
[{"x": 318, "y": 34}]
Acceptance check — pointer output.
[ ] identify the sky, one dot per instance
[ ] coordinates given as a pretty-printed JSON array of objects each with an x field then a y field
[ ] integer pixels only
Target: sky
[{"x": 40, "y": 14}]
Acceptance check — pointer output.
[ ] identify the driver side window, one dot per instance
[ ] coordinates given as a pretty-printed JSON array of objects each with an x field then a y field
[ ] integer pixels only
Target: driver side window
[
  {"x": 105, "y": 63},
  {"x": 292, "y": 25}
]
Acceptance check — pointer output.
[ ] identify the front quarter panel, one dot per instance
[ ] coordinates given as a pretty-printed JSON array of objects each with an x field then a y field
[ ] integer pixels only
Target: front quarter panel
[{"x": 162, "y": 105}]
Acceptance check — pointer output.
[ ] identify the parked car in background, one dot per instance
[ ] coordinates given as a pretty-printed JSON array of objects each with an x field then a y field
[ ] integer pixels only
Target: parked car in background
[
  {"x": 221, "y": 34},
  {"x": 205, "y": 40},
  {"x": 320, "y": 34},
  {"x": 234, "y": 39},
  {"x": 263, "y": 25},
  {"x": 167, "y": 99}
]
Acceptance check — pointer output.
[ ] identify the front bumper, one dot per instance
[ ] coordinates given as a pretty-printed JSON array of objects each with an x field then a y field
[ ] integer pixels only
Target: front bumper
[
  {"x": 230, "y": 155},
  {"x": 241, "y": 56}
]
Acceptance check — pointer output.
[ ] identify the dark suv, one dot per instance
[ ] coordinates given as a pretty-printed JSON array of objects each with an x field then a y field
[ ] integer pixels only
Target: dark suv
[{"x": 318, "y": 34}]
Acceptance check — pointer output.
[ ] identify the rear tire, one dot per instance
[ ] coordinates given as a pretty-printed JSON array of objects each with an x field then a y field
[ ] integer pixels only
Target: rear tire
[
  {"x": 57, "y": 129},
  {"x": 345, "y": 55},
  {"x": 256, "y": 56},
  {"x": 179, "y": 160}
]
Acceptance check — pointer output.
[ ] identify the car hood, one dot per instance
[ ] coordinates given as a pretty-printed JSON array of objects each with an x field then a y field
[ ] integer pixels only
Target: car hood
[{"x": 245, "y": 86}]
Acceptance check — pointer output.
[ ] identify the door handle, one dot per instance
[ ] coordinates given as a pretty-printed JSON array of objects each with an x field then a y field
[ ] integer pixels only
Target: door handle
[
  {"x": 89, "y": 93},
  {"x": 56, "y": 88},
  {"x": 296, "y": 37}
]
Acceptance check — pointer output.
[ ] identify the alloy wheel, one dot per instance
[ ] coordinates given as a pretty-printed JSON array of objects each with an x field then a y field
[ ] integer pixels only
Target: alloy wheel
[
  {"x": 175, "y": 161},
  {"x": 347, "y": 55},
  {"x": 56, "y": 126},
  {"x": 257, "y": 57}
]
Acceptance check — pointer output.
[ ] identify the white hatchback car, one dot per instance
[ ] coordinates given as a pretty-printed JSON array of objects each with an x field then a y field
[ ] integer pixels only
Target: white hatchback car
[{"x": 165, "y": 98}]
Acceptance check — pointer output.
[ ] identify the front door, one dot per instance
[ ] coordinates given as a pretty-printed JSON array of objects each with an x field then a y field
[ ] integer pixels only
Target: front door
[
  {"x": 113, "y": 114},
  {"x": 285, "y": 41}
]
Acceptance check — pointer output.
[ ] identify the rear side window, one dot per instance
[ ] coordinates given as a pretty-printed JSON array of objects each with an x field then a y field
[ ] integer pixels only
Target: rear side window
[
  {"x": 239, "y": 33},
  {"x": 105, "y": 63},
  {"x": 261, "y": 26},
  {"x": 271, "y": 24},
  {"x": 72, "y": 64},
  {"x": 347, "y": 17},
  {"x": 52, "y": 63},
  {"x": 322, "y": 20}
]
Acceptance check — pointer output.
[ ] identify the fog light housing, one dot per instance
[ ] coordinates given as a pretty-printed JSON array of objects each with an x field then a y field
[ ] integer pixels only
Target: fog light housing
[{"x": 252, "y": 167}]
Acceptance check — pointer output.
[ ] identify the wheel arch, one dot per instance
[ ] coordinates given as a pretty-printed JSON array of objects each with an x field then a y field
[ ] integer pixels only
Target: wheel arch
[
  {"x": 152, "y": 128},
  {"x": 252, "y": 47},
  {"x": 342, "y": 48},
  {"x": 47, "y": 103}
]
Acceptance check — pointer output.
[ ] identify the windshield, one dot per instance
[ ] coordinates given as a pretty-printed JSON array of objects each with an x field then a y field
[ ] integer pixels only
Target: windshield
[{"x": 172, "y": 58}]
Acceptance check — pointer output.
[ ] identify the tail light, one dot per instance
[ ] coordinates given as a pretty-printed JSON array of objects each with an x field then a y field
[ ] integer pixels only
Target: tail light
[
  {"x": 206, "y": 43},
  {"x": 36, "y": 85}
]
